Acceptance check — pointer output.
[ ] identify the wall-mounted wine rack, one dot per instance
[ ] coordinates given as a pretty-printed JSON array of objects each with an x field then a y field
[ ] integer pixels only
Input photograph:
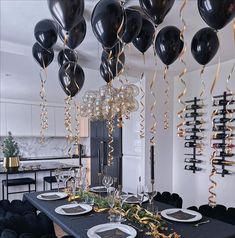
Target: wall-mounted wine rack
[
  {"x": 193, "y": 132},
  {"x": 223, "y": 132}
]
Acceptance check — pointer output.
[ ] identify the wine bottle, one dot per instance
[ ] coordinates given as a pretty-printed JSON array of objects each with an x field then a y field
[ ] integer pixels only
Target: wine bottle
[
  {"x": 222, "y": 102},
  {"x": 193, "y": 123},
  {"x": 223, "y": 128},
  {"x": 223, "y": 120},
  {"x": 192, "y": 130},
  {"x": 223, "y": 111},
  {"x": 223, "y": 154},
  {"x": 191, "y": 167},
  {"x": 224, "y": 171},
  {"x": 222, "y": 145},
  {"x": 223, "y": 162},
  {"x": 192, "y": 160},
  {"x": 222, "y": 136},
  {"x": 192, "y": 145},
  {"x": 192, "y": 107},
  {"x": 193, "y": 137},
  {"x": 193, "y": 114}
]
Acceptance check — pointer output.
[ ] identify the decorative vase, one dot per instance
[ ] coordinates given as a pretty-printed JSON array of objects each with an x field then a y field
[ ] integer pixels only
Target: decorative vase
[{"x": 12, "y": 164}]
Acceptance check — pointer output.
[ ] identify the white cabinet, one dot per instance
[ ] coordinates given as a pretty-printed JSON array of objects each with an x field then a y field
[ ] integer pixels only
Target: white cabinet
[
  {"x": 18, "y": 119},
  {"x": 3, "y": 124},
  {"x": 36, "y": 121},
  {"x": 59, "y": 122}
]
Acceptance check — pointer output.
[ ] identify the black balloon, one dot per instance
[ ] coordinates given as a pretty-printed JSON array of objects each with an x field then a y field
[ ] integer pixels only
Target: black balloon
[
  {"x": 113, "y": 52},
  {"x": 205, "y": 45},
  {"x": 133, "y": 25},
  {"x": 43, "y": 56},
  {"x": 111, "y": 67},
  {"x": 217, "y": 13},
  {"x": 168, "y": 44},
  {"x": 106, "y": 20},
  {"x": 156, "y": 9},
  {"x": 145, "y": 38},
  {"x": 71, "y": 77},
  {"x": 45, "y": 33},
  {"x": 66, "y": 13},
  {"x": 66, "y": 55},
  {"x": 75, "y": 36}
]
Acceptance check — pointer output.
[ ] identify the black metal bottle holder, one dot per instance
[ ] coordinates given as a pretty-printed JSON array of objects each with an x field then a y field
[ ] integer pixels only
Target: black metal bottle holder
[
  {"x": 195, "y": 133},
  {"x": 226, "y": 96}
]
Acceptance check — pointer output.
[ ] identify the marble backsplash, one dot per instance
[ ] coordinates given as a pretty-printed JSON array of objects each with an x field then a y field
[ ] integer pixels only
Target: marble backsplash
[{"x": 53, "y": 146}]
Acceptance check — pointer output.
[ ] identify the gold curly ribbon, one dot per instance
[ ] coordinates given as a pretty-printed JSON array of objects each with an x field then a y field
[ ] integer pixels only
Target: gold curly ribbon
[
  {"x": 201, "y": 95},
  {"x": 142, "y": 107},
  {"x": 43, "y": 105},
  {"x": 180, "y": 114},
  {"x": 68, "y": 118},
  {"x": 110, "y": 127},
  {"x": 152, "y": 109},
  {"x": 166, "y": 114},
  {"x": 77, "y": 123}
]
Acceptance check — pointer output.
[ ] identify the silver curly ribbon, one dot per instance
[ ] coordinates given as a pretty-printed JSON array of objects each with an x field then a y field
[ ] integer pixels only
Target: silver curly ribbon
[
  {"x": 110, "y": 126},
  {"x": 142, "y": 107},
  {"x": 77, "y": 123},
  {"x": 166, "y": 103},
  {"x": 68, "y": 118}
]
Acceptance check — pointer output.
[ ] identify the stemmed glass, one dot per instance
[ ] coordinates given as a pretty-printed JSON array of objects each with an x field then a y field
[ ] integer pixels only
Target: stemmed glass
[
  {"x": 111, "y": 198},
  {"x": 107, "y": 181},
  {"x": 58, "y": 178},
  {"x": 150, "y": 192},
  {"x": 140, "y": 194},
  {"x": 66, "y": 176}
]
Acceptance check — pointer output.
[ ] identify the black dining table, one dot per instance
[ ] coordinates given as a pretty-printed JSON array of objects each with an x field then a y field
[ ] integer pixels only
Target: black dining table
[{"x": 79, "y": 225}]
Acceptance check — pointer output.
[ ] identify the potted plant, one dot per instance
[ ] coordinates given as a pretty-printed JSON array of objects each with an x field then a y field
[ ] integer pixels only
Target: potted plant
[{"x": 10, "y": 151}]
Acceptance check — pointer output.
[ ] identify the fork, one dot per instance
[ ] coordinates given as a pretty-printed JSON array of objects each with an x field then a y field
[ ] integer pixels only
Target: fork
[{"x": 202, "y": 222}]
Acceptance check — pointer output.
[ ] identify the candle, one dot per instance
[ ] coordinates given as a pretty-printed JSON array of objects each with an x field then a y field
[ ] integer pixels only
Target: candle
[
  {"x": 99, "y": 161},
  {"x": 80, "y": 154},
  {"x": 152, "y": 162}
]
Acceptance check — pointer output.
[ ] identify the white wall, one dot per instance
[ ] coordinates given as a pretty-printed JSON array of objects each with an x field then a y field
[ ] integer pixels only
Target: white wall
[{"x": 194, "y": 187}]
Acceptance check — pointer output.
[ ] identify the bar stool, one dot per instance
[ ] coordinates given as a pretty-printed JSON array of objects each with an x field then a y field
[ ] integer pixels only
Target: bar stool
[
  {"x": 50, "y": 180},
  {"x": 17, "y": 182}
]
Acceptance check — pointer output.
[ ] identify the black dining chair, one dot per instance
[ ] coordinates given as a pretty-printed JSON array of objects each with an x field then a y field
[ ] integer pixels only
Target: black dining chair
[
  {"x": 231, "y": 215},
  {"x": 172, "y": 199}
]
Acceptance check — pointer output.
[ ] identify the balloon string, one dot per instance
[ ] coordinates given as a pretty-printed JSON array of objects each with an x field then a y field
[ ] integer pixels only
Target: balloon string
[
  {"x": 166, "y": 114},
  {"x": 142, "y": 107},
  {"x": 43, "y": 105},
  {"x": 180, "y": 113},
  {"x": 110, "y": 126},
  {"x": 68, "y": 118},
  {"x": 65, "y": 40},
  {"x": 77, "y": 121},
  {"x": 153, "y": 109}
]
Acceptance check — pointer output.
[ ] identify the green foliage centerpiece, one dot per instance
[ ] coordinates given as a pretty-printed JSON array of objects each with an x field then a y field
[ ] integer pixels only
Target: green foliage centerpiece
[{"x": 10, "y": 151}]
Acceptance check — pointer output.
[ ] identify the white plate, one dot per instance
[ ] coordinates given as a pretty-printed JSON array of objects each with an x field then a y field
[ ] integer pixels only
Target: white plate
[
  {"x": 60, "y": 211},
  {"x": 129, "y": 202},
  {"x": 109, "y": 226},
  {"x": 166, "y": 212},
  {"x": 60, "y": 194},
  {"x": 93, "y": 189}
]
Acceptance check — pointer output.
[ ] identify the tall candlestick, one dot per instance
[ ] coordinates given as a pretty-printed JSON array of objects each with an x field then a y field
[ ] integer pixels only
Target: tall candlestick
[
  {"x": 80, "y": 154},
  {"x": 152, "y": 162},
  {"x": 99, "y": 161}
]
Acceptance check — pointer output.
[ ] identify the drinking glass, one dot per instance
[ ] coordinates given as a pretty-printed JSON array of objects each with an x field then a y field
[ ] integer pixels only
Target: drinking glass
[
  {"x": 58, "y": 178},
  {"x": 150, "y": 192},
  {"x": 140, "y": 194},
  {"x": 107, "y": 181},
  {"x": 66, "y": 176},
  {"x": 111, "y": 201}
]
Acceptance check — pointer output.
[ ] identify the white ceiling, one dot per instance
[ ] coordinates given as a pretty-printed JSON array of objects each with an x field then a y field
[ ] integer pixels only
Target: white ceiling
[{"x": 20, "y": 73}]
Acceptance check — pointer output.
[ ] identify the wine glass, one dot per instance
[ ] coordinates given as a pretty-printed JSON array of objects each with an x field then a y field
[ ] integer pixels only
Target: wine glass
[
  {"x": 58, "y": 178},
  {"x": 107, "y": 181},
  {"x": 66, "y": 176},
  {"x": 140, "y": 194},
  {"x": 150, "y": 192}
]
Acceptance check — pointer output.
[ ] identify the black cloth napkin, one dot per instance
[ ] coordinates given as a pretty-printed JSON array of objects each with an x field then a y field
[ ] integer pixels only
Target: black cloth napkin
[
  {"x": 99, "y": 189},
  {"x": 76, "y": 209},
  {"x": 114, "y": 233},
  {"x": 132, "y": 199},
  {"x": 51, "y": 196},
  {"x": 180, "y": 215}
]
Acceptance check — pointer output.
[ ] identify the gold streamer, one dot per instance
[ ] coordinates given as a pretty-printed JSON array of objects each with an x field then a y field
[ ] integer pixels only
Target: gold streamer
[
  {"x": 142, "y": 108},
  {"x": 68, "y": 118},
  {"x": 77, "y": 123},
  {"x": 166, "y": 116},
  {"x": 110, "y": 143},
  {"x": 180, "y": 114},
  {"x": 43, "y": 104},
  {"x": 152, "y": 109}
]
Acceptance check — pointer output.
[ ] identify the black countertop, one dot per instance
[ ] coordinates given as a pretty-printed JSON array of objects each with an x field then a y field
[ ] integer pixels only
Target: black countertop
[{"x": 48, "y": 158}]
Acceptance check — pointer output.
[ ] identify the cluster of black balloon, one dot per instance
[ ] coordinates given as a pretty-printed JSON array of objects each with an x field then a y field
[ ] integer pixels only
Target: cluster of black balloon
[
  {"x": 70, "y": 25},
  {"x": 217, "y": 14}
]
